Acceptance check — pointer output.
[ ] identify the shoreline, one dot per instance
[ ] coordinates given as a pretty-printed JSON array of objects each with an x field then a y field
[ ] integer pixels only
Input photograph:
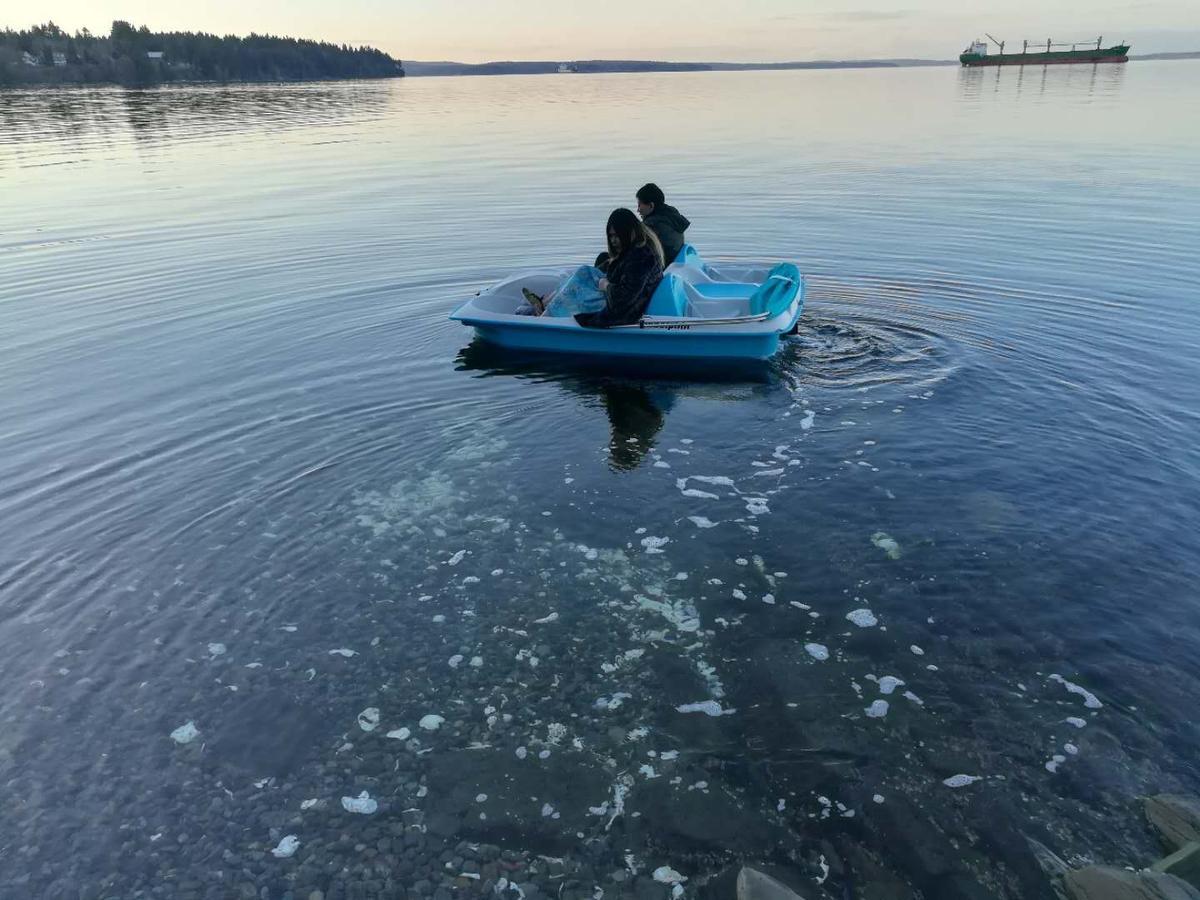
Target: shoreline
[{"x": 635, "y": 67}]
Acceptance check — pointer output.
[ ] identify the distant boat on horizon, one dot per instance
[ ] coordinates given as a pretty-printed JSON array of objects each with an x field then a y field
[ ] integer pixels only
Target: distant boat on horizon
[{"x": 977, "y": 54}]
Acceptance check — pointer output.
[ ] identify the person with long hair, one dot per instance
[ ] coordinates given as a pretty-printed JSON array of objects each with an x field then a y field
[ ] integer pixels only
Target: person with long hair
[{"x": 618, "y": 296}]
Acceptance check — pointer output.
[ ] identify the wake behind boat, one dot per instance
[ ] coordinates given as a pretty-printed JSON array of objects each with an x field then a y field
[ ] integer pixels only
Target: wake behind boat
[{"x": 699, "y": 311}]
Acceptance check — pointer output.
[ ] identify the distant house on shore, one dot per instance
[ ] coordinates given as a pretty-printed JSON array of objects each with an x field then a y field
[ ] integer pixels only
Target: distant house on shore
[
  {"x": 60, "y": 58},
  {"x": 28, "y": 58},
  {"x": 154, "y": 54}
]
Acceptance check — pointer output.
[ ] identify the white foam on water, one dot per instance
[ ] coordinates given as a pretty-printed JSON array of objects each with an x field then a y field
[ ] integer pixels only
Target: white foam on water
[
  {"x": 215, "y": 650},
  {"x": 1071, "y": 749},
  {"x": 481, "y": 798},
  {"x": 807, "y": 422},
  {"x": 702, "y": 522},
  {"x": 343, "y": 651},
  {"x": 757, "y": 506},
  {"x": 877, "y": 710},
  {"x": 287, "y": 846},
  {"x": 779, "y": 471},
  {"x": 913, "y": 698},
  {"x": 546, "y": 620},
  {"x": 438, "y": 619},
  {"x": 889, "y": 683},
  {"x": 362, "y": 804},
  {"x": 476, "y": 662},
  {"x": 817, "y": 651},
  {"x": 768, "y": 599},
  {"x": 742, "y": 561},
  {"x": 456, "y": 558},
  {"x": 655, "y": 544},
  {"x": 662, "y": 464},
  {"x": 739, "y": 594},
  {"x": 958, "y": 781},
  {"x": 1076, "y": 721},
  {"x": 431, "y": 722},
  {"x": 186, "y": 733},
  {"x": 708, "y": 707},
  {"x": 455, "y": 661},
  {"x": 887, "y": 544},
  {"x": 368, "y": 719},
  {"x": 309, "y": 804},
  {"x": 1089, "y": 699},
  {"x": 916, "y": 651},
  {"x": 878, "y": 798},
  {"x": 647, "y": 771},
  {"x": 1054, "y": 762},
  {"x": 863, "y": 618},
  {"x": 399, "y": 734}
]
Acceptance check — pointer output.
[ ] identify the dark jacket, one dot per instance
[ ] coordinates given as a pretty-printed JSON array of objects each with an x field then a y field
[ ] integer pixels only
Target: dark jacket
[
  {"x": 669, "y": 224},
  {"x": 632, "y": 278}
]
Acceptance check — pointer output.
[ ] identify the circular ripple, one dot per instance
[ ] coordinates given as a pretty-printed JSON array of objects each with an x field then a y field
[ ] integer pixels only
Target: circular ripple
[{"x": 839, "y": 346}]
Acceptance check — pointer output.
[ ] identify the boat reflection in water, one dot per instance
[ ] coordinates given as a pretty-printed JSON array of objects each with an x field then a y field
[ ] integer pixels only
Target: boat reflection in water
[{"x": 636, "y": 395}]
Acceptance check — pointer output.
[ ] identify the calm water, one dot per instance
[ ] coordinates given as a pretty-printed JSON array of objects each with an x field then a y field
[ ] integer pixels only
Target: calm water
[{"x": 252, "y": 479}]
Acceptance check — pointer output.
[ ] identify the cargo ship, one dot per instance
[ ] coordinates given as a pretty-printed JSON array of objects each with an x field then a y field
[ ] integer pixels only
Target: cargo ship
[{"x": 1037, "y": 53}]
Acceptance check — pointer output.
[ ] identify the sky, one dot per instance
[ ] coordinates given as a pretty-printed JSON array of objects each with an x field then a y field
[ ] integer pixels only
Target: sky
[{"x": 696, "y": 30}]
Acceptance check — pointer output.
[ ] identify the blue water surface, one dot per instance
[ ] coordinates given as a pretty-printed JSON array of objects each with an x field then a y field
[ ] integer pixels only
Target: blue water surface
[{"x": 237, "y": 433}]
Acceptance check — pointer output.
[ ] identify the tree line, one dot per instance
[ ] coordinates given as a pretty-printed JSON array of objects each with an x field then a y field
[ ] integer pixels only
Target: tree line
[{"x": 46, "y": 54}]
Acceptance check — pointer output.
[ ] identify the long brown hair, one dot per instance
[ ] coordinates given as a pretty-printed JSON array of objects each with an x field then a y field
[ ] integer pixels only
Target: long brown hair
[{"x": 631, "y": 233}]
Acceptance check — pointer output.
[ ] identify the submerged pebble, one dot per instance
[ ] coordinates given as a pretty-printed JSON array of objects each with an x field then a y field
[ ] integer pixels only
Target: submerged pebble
[
  {"x": 863, "y": 618},
  {"x": 286, "y": 847},
  {"x": 886, "y": 543},
  {"x": 362, "y": 804},
  {"x": 185, "y": 734},
  {"x": 708, "y": 707},
  {"x": 368, "y": 719}
]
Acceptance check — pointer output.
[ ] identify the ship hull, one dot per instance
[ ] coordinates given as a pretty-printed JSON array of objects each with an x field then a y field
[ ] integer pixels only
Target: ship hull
[{"x": 1106, "y": 54}]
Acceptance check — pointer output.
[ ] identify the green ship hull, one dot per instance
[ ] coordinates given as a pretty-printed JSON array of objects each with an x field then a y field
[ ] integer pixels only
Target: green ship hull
[{"x": 1118, "y": 53}]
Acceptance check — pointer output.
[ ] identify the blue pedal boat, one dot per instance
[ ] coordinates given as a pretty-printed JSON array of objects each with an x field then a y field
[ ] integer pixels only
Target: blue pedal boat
[{"x": 699, "y": 312}]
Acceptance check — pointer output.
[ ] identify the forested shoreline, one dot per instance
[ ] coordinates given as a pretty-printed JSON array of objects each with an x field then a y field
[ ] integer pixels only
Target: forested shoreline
[{"x": 46, "y": 54}]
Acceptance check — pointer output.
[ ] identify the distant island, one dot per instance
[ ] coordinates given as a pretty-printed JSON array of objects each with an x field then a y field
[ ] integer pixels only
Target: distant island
[
  {"x": 593, "y": 66},
  {"x": 45, "y": 54}
]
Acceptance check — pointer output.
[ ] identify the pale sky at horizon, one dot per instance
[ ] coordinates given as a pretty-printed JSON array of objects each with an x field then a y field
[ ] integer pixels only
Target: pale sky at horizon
[{"x": 698, "y": 30}]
